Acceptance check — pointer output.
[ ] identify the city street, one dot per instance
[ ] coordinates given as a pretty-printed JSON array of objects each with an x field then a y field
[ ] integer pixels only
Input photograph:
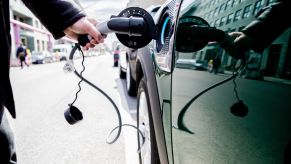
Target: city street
[{"x": 43, "y": 92}]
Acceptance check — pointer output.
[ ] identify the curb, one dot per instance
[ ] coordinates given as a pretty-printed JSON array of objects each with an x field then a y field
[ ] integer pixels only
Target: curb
[
  {"x": 277, "y": 80},
  {"x": 268, "y": 79}
]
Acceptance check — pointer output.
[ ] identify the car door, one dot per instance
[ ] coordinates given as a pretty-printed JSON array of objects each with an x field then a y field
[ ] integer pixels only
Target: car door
[{"x": 243, "y": 120}]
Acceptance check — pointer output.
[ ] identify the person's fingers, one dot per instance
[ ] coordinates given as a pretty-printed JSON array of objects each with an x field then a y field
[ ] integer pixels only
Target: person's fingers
[
  {"x": 92, "y": 20},
  {"x": 241, "y": 43},
  {"x": 92, "y": 31},
  {"x": 102, "y": 40},
  {"x": 240, "y": 38},
  {"x": 85, "y": 48},
  {"x": 85, "y": 26},
  {"x": 93, "y": 41},
  {"x": 235, "y": 34},
  {"x": 89, "y": 45},
  {"x": 244, "y": 42},
  {"x": 95, "y": 22}
]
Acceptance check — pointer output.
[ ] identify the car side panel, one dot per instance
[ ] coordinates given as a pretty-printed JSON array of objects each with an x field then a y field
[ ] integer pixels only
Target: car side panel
[{"x": 146, "y": 63}]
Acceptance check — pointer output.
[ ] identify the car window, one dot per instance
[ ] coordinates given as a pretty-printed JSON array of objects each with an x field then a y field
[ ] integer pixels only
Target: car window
[
  {"x": 244, "y": 120},
  {"x": 57, "y": 50}
]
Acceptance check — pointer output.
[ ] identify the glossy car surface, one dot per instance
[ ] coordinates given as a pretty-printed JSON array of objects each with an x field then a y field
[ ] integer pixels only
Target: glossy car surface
[{"x": 186, "y": 118}]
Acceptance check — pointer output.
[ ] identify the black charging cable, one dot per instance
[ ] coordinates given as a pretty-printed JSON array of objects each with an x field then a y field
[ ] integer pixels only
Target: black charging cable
[
  {"x": 70, "y": 67},
  {"x": 79, "y": 83},
  {"x": 238, "y": 109},
  {"x": 235, "y": 85}
]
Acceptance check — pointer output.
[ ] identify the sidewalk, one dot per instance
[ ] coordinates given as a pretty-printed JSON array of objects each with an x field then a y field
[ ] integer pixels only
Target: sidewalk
[
  {"x": 269, "y": 79},
  {"x": 277, "y": 80}
]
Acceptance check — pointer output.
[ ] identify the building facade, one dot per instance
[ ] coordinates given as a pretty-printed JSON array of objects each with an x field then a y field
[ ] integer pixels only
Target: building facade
[
  {"x": 27, "y": 29},
  {"x": 234, "y": 15}
]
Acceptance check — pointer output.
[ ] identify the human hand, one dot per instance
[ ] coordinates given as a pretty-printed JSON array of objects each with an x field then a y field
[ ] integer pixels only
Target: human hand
[
  {"x": 85, "y": 26},
  {"x": 241, "y": 43}
]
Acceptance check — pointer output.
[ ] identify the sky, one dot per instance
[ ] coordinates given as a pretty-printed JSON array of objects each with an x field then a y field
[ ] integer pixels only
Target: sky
[{"x": 103, "y": 9}]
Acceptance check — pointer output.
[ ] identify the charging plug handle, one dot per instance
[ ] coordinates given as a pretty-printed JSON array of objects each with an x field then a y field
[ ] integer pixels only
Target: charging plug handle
[{"x": 132, "y": 26}]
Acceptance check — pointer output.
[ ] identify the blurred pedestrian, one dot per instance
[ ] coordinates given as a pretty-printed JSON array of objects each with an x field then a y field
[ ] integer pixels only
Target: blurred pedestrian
[
  {"x": 28, "y": 56},
  {"x": 215, "y": 65},
  {"x": 116, "y": 56},
  {"x": 210, "y": 65},
  {"x": 21, "y": 55},
  {"x": 63, "y": 19}
]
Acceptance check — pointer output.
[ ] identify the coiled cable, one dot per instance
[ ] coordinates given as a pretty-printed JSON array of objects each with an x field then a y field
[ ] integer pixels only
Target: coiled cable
[{"x": 80, "y": 75}]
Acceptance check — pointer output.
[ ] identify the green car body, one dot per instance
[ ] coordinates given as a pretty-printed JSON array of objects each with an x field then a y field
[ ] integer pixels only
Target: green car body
[{"x": 190, "y": 120}]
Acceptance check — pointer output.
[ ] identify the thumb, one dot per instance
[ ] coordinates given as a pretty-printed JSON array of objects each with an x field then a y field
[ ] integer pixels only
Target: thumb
[
  {"x": 235, "y": 34},
  {"x": 92, "y": 31}
]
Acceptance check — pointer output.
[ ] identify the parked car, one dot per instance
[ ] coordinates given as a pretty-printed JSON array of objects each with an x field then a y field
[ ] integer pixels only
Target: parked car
[
  {"x": 128, "y": 69},
  {"x": 48, "y": 57},
  {"x": 38, "y": 57},
  {"x": 185, "y": 119},
  {"x": 192, "y": 64},
  {"x": 122, "y": 64},
  {"x": 61, "y": 51}
]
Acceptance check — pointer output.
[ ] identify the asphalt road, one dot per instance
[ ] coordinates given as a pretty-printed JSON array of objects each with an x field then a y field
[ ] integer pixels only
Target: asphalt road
[{"x": 43, "y": 92}]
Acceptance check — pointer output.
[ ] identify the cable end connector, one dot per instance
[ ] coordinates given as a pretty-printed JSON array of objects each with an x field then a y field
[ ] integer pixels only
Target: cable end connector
[
  {"x": 78, "y": 46},
  {"x": 68, "y": 67}
]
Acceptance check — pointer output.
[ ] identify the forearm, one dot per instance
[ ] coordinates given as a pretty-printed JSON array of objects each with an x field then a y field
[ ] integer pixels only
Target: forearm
[
  {"x": 269, "y": 25},
  {"x": 55, "y": 15}
]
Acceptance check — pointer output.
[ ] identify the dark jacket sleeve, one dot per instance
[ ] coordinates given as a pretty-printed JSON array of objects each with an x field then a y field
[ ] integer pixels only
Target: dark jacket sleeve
[
  {"x": 55, "y": 15},
  {"x": 270, "y": 23}
]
